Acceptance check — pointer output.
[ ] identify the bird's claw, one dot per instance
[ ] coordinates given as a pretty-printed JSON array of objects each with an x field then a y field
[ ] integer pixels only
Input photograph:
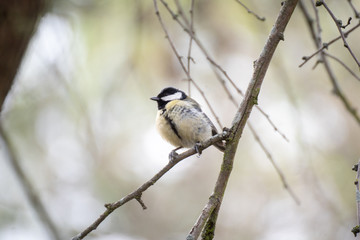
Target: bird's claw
[
  {"x": 225, "y": 129},
  {"x": 172, "y": 155},
  {"x": 197, "y": 148}
]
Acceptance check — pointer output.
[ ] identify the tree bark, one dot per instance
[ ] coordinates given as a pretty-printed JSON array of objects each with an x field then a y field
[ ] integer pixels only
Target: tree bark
[{"x": 18, "y": 20}]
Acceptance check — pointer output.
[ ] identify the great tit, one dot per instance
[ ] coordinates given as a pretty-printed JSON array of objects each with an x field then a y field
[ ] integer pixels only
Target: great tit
[{"x": 181, "y": 122}]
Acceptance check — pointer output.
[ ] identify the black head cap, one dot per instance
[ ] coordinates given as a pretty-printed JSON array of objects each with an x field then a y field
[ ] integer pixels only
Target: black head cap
[{"x": 167, "y": 95}]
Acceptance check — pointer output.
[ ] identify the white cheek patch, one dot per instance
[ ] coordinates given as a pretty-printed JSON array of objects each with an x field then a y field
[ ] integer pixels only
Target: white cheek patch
[{"x": 175, "y": 96}]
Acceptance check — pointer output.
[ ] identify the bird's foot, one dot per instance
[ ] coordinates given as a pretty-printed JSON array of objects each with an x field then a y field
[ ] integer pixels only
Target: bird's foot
[
  {"x": 173, "y": 154},
  {"x": 197, "y": 148},
  {"x": 226, "y": 130}
]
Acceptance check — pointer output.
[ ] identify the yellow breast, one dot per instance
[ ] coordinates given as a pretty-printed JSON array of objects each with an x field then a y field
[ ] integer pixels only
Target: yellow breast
[{"x": 183, "y": 125}]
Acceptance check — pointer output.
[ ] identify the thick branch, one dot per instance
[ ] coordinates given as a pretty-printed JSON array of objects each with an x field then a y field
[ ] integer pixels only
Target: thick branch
[
  {"x": 243, "y": 114},
  {"x": 238, "y": 126},
  {"x": 18, "y": 19}
]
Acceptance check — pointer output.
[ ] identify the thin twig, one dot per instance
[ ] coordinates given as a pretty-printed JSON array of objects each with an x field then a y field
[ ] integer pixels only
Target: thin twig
[
  {"x": 250, "y": 12},
  {"x": 189, "y": 58},
  {"x": 224, "y": 73},
  {"x": 277, "y": 168},
  {"x": 326, "y": 45},
  {"x": 28, "y": 188},
  {"x": 316, "y": 35},
  {"x": 343, "y": 64},
  {"x": 137, "y": 193},
  {"x": 180, "y": 58},
  {"x": 338, "y": 25},
  {"x": 208, "y": 104},
  {"x": 356, "y": 229},
  {"x": 276, "y": 129},
  {"x": 356, "y": 12},
  {"x": 222, "y": 81}
]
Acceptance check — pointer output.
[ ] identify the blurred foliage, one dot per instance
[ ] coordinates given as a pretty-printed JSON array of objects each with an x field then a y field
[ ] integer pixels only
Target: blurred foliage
[{"x": 80, "y": 117}]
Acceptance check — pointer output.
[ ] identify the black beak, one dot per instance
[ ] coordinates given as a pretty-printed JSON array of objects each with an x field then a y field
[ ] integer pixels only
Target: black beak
[{"x": 155, "y": 98}]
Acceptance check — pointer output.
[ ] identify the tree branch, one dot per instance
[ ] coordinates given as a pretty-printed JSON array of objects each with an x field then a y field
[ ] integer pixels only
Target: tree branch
[
  {"x": 28, "y": 188},
  {"x": 250, "y": 12},
  {"x": 316, "y": 35},
  {"x": 356, "y": 229},
  {"x": 186, "y": 71},
  {"x": 232, "y": 137},
  {"x": 110, "y": 207},
  {"x": 343, "y": 64},
  {"x": 339, "y": 26},
  {"x": 250, "y": 99},
  {"x": 325, "y": 45},
  {"x": 18, "y": 22}
]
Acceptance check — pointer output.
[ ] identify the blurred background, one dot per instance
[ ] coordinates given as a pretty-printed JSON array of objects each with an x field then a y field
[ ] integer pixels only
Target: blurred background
[{"x": 82, "y": 124}]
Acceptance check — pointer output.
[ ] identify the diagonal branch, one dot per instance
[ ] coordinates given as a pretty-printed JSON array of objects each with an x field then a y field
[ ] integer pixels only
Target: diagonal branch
[
  {"x": 250, "y": 12},
  {"x": 137, "y": 193},
  {"x": 239, "y": 122},
  {"x": 232, "y": 137},
  {"x": 343, "y": 64},
  {"x": 28, "y": 187}
]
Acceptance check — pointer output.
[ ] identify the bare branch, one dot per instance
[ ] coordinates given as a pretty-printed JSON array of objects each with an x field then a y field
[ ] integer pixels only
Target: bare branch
[
  {"x": 356, "y": 12},
  {"x": 326, "y": 45},
  {"x": 214, "y": 201},
  {"x": 277, "y": 168},
  {"x": 316, "y": 34},
  {"x": 137, "y": 193},
  {"x": 250, "y": 12},
  {"x": 356, "y": 168},
  {"x": 180, "y": 58},
  {"x": 343, "y": 64},
  {"x": 339, "y": 26},
  {"x": 262, "y": 146},
  {"x": 189, "y": 58},
  {"x": 28, "y": 188},
  {"x": 238, "y": 125},
  {"x": 239, "y": 122},
  {"x": 209, "y": 228}
]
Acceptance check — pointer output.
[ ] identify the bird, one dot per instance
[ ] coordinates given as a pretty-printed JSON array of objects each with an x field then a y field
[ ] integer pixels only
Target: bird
[{"x": 181, "y": 122}]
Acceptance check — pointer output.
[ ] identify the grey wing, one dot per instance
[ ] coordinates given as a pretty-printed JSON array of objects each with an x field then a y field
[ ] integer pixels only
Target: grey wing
[
  {"x": 219, "y": 145},
  {"x": 213, "y": 128},
  {"x": 198, "y": 108}
]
